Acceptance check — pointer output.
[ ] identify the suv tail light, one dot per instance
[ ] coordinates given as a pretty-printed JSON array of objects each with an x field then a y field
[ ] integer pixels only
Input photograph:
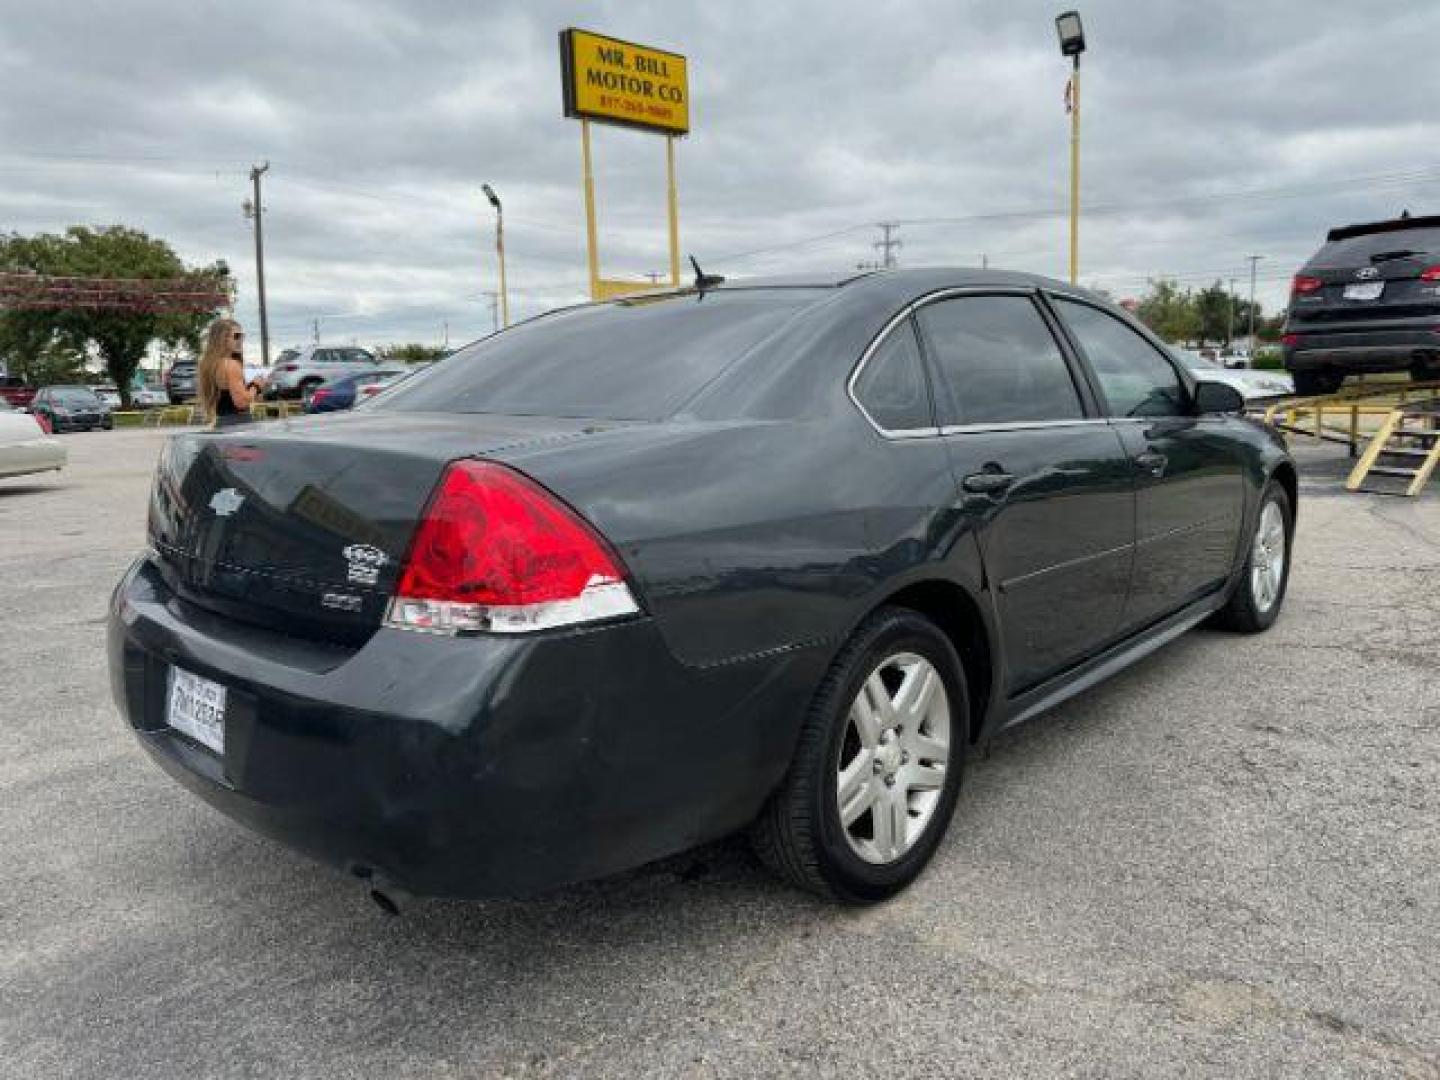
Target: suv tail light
[
  {"x": 1289, "y": 339},
  {"x": 1430, "y": 273},
  {"x": 289, "y": 367},
  {"x": 1304, "y": 283},
  {"x": 497, "y": 552}
]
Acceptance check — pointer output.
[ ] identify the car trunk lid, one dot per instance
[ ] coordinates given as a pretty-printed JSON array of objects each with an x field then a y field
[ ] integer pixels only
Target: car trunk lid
[{"x": 303, "y": 526}]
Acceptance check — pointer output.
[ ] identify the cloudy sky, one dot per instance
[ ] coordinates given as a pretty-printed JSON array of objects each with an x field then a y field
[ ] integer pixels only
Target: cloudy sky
[{"x": 1212, "y": 131}]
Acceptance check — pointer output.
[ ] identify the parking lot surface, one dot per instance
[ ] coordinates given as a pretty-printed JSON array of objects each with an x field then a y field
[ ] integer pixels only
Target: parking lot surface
[{"x": 1224, "y": 862}]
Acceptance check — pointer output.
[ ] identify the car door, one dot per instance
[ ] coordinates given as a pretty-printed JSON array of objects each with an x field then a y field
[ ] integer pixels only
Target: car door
[
  {"x": 1047, "y": 478},
  {"x": 1190, "y": 487}
]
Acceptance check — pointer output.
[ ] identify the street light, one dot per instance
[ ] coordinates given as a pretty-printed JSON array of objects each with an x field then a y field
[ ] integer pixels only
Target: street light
[
  {"x": 1072, "y": 44},
  {"x": 499, "y": 250}
]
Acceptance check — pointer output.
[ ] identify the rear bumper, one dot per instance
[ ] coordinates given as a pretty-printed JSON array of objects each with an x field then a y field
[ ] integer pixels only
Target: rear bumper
[
  {"x": 1350, "y": 349},
  {"x": 462, "y": 767},
  {"x": 32, "y": 456}
]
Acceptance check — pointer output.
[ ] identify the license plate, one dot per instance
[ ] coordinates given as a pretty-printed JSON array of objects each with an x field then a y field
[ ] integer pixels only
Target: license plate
[
  {"x": 1368, "y": 290},
  {"x": 197, "y": 708}
]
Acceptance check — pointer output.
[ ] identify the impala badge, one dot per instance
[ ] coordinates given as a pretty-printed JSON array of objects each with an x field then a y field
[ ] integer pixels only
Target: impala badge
[
  {"x": 365, "y": 563},
  {"x": 1366, "y": 273},
  {"x": 226, "y": 501}
]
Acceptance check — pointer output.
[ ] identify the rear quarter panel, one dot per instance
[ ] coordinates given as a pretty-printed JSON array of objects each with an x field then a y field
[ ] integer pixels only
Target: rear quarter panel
[{"x": 752, "y": 538}]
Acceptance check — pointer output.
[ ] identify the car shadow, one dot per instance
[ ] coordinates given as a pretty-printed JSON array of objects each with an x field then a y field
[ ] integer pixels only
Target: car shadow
[{"x": 28, "y": 488}]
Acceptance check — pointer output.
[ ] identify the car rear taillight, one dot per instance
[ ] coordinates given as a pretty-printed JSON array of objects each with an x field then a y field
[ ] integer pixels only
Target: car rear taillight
[
  {"x": 1430, "y": 273},
  {"x": 1289, "y": 339},
  {"x": 319, "y": 395},
  {"x": 1304, "y": 283},
  {"x": 289, "y": 367},
  {"x": 497, "y": 552}
]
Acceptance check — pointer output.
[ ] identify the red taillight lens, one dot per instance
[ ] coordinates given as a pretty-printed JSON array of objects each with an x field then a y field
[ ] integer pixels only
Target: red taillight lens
[
  {"x": 497, "y": 552},
  {"x": 1289, "y": 339},
  {"x": 289, "y": 367},
  {"x": 1430, "y": 273},
  {"x": 1304, "y": 283}
]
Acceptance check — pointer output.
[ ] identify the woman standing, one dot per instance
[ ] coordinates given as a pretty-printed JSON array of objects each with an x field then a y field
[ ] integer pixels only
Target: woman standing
[{"x": 223, "y": 394}]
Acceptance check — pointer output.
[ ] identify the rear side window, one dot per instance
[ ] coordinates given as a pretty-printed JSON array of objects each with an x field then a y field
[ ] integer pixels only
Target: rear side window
[
  {"x": 891, "y": 387},
  {"x": 1134, "y": 377},
  {"x": 628, "y": 360},
  {"x": 997, "y": 362}
]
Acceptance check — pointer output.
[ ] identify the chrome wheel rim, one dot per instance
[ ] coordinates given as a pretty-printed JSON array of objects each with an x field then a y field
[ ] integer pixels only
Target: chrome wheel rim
[
  {"x": 1267, "y": 558},
  {"x": 893, "y": 758}
]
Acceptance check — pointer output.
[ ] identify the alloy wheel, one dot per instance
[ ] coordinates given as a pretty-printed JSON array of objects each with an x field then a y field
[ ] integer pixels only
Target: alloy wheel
[
  {"x": 1267, "y": 557},
  {"x": 893, "y": 758}
]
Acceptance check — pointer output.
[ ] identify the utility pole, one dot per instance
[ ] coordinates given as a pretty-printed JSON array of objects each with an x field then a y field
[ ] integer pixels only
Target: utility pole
[
  {"x": 315, "y": 327},
  {"x": 1230, "y": 315},
  {"x": 1253, "y": 260},
  {"x": 984, "y": 261},
  {"x": 499, "y": 249},
  {"x": 888, "y": 245},
  {"x": 254, "y": 208},
  {"x": 446, "y": 327},
  {"x": 654, "y": 276}
]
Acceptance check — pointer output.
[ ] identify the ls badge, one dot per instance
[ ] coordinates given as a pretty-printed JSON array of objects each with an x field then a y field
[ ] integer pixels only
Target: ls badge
[{"x": 365, "y": 562}]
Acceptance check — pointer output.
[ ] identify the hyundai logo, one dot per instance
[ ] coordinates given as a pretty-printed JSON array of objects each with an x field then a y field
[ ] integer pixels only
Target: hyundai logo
[{"x": 226, "y": 501}]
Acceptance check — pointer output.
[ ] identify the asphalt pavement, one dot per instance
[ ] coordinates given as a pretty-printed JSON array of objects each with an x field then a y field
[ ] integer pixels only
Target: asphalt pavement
[{"x": 1224, "y": 862}]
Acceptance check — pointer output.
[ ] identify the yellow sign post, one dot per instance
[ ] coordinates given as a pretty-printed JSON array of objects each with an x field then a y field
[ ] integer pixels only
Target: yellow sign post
[{"x": 617, "y": 82}]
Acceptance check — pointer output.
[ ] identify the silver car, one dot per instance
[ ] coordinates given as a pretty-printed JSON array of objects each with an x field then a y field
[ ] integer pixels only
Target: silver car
[
  {"x": 297, "y": 372},
  {"x": 24, "y": 446}
]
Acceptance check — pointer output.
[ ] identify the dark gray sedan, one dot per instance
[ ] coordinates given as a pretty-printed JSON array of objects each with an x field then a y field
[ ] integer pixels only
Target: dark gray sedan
[{"x": 633, "y": 575}]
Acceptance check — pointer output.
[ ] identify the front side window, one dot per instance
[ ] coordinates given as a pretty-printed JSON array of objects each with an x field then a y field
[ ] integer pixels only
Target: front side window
[
  {"x": 997, "y": 362},
  {"x": 891, "y": 387},
  {"x": 1134, "y": 377}
]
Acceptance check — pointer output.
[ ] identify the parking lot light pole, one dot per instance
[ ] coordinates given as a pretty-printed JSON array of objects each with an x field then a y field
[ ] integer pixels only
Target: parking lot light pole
[
  {"x": 499, "y": 251},
  {"x": 1072, "y": 44}
]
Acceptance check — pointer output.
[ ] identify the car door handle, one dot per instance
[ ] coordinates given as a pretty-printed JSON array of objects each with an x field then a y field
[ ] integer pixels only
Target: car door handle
[
  {"x": 1152, "y": 462},
  {"x": 989, "y": 482}
]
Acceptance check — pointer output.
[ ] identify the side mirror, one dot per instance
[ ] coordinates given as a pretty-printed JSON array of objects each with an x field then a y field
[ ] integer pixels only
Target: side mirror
[{"x": 1218, "y": 397}]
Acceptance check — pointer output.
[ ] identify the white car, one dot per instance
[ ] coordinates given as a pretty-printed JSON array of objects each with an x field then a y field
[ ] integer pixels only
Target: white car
[
  {"x": 1254, "y": 385},
  {"x": 149, "y": 397},
  {"x": 108, "y": 394},
  {"x": 24, "y": 446}
]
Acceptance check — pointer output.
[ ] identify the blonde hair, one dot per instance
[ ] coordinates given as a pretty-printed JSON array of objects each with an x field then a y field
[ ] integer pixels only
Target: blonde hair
[{"x": 210, "y": 378}]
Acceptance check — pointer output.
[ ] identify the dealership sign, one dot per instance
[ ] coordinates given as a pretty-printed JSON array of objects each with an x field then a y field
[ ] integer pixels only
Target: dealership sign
[{"x": 618, "y": 82}]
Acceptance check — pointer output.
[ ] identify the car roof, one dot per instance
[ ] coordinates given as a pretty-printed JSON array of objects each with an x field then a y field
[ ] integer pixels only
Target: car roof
[
  {"x": 920, "y": 279},
  {"x": 1400, "y": 224}
]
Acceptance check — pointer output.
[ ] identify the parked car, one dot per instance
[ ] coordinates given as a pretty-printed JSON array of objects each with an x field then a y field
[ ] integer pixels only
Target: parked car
[
  {"x": 109, "y": 395},
  {"x": 632, "y": 575},
  {"x": 149, "y": 397},
  {"x": 370, "y": 390},
  {"x": 340, "y": 394},
  {"x": 299, "y": 372},
  {"x": 1367, "y": 301},
  {"x": 15, "y": 392},
  {"x": 180, "y": 382},
  {"x": 72, "y": 408},
  {"x": 25, "y": 446},
  {"x": 1254, "y": 386}
]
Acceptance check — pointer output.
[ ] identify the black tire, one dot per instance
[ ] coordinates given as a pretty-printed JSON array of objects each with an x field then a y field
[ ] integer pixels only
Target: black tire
[
  {"x": 1313, "y": 383},
  {"x": 1245, "y": 611},
  {"x": 799, "y": 834}
]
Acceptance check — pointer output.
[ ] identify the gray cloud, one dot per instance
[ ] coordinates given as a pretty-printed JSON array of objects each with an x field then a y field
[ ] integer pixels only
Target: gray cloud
[{"x": 381, "y": 121}]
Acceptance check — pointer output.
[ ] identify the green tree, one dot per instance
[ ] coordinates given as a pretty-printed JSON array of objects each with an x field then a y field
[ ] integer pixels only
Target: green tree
[
  {"x": 119, "y": 337},
  {"x": 1214, "y": 306},
  {"x": 1168, "y": 311},
  {"x": 414, "y": 353}
]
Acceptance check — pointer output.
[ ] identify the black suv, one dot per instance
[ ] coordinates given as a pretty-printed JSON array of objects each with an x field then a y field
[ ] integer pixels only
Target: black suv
[{"x": 1369, "y": 300}]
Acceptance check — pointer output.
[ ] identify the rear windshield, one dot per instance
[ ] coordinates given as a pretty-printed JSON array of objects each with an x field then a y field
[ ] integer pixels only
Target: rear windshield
[
  {"x": 75, "y": 397},
  {"x": 638, "y": 360},
  {"x": 1358, "y": 249}
]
